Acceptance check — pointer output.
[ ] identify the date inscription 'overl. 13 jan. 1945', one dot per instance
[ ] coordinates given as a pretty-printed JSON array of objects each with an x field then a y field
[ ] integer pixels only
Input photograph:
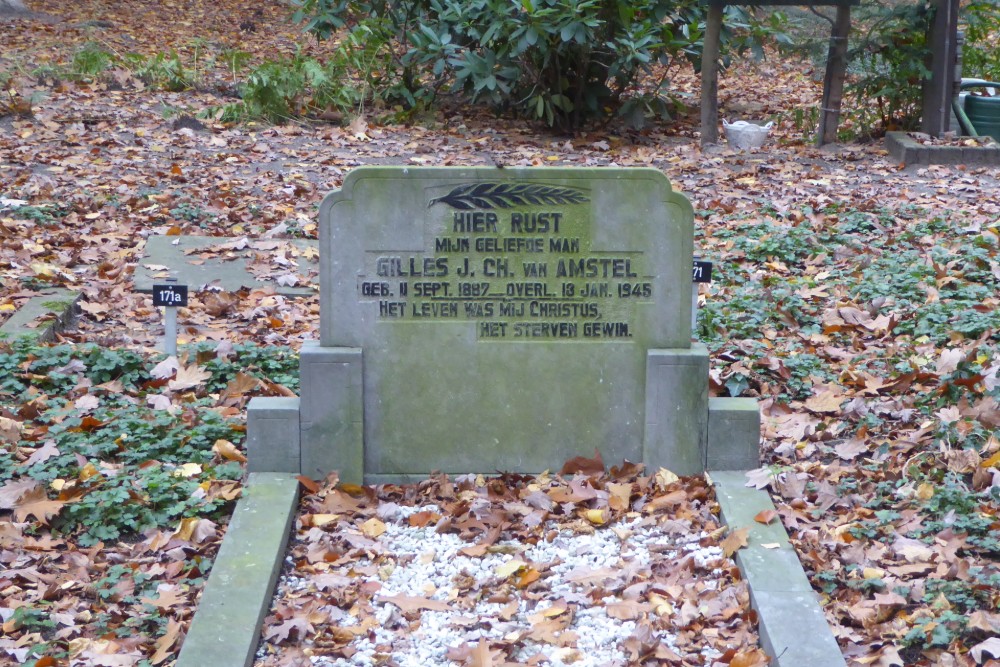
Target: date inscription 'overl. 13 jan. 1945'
[{"x": 517, "y": 260}]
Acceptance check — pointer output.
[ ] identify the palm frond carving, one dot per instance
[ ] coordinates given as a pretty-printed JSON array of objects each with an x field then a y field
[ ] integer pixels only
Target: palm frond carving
[{"x": 506, "y": 195}]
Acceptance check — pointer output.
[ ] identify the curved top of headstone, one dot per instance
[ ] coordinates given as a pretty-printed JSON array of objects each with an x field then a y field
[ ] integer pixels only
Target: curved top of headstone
[{"x": 504, "y": 174}]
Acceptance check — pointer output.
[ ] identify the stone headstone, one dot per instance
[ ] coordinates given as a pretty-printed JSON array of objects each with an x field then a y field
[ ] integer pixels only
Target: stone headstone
[{"x": 483, "y": 320}]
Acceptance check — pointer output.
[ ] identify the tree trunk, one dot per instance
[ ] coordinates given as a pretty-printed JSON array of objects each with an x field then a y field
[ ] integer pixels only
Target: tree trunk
[
  {"x": 939, "y": 90},
  {"x": 8, "y": 7},
  {"x": 710, "y": 74},
  {"x": 833, "y": 84}
]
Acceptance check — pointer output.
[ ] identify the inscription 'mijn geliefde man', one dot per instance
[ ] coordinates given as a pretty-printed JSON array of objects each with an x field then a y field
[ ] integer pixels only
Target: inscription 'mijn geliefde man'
[{"x": 517, "y": 259}]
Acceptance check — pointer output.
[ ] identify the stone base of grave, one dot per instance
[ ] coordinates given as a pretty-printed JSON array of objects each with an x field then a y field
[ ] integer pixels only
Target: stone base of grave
[
  {"x": 324, "y": 430},
  {"x": 479, "y": 320}
]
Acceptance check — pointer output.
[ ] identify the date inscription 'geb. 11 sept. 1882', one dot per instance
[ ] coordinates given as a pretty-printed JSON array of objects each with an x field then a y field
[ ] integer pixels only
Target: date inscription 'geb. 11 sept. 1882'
[{"x": 517, "y": 259}]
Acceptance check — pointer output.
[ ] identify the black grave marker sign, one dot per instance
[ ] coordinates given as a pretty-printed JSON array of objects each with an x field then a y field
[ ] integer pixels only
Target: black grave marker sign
[{"x": 170, "y": 295}]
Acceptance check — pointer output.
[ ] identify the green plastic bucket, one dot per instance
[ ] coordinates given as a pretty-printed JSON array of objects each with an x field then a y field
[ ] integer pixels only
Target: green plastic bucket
[{"x": 984, "y": 114}]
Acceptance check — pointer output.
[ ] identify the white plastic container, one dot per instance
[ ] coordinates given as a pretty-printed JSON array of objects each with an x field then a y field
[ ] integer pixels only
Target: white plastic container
[{"x": 746, "y": 136}]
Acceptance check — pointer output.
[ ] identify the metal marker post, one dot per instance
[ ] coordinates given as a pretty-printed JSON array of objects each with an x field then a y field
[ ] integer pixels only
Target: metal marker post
[
  {"x": 170, "y": 331},
  {"x": 701, "y": 272},
  {"x": 170, "y": 296}
]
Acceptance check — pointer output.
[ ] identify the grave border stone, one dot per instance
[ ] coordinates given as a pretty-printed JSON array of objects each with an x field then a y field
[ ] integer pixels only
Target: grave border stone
[
  {"x": 227, "y": 625},
  {"x": 58, "y": 304}
]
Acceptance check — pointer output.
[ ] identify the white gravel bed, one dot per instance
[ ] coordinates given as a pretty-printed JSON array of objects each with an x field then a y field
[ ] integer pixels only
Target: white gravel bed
[{"x": 431, "y": 605}]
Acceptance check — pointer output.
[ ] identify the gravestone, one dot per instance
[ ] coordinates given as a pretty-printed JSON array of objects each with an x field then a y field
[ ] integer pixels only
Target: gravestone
[{"x": 482, "y": 320}]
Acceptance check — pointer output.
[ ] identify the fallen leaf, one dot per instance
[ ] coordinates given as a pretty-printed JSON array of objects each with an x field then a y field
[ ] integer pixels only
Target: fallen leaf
[
  {"x": 188, "y": 470},
  {"x": 665, "y": 501},
  {"x": 167, "y": 597},
  {"x": 86, "y": 403},
  {"x": 991, "y": 462},
  {"x": 320, "y": 520},
  {"x": 165, "y": 369},
  {"x": 359, "y": 129},
  {"x": 280, "y": 633},
  {"x": 991, "y": 646},
  {"x": 410, "y": 603},
  {"x": 759, "y": 478},
  {"x": 482, "y": 656},
  {"x": 166, "y": 642},
  {"x": 421, "y": 519},
  {"x": 228, "y": 451},
  {"x": 984, "y": 622},
  {"x": 949, "y": 360},
  {"x": 509, "y": 567},
  {"x": 619, "y": 496},
  {"x": 159, "y": 402},
  {"x": 372, "y": 528},
  {"x": 527, "y": 576},
  {"x": 949, "y": 415},
  {"x": 36, "y": 503},
  {"x": 750, "y": 657},
  {"x": 664, "y": 478},
  {"x": 850, "y": 449},
  {"x": 12, "y": 492},
  {"x": 825, "y": 400},
  {"x": 627, "y": 610},
  {"x": 766, "y": 516},
  {"x": 43, "y": 453},
  {"x": 583, "y": 465},
  {"x": 188, "y": 377},
  {"x": 734, "y": 541},
  {"x": 913, "y": 551},
  {"x": 308, "y": 484},
  {"x": 10, "y": 430}
]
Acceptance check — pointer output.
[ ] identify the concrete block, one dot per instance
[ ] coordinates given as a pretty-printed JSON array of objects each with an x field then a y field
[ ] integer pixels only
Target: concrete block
[
  {"x": 676, "y": 409},
  {"x": 733, "y": 434},
  {"x": 331, "y": 417},
  {"x": 794, "y": 630},
  {"x": 225, "y": 630},
  {"x": 740, "y": 504},
  {"x": 981, "y": 155},
  {"x": 773, "y": 570},
  {"x": 273, "y": 435}
]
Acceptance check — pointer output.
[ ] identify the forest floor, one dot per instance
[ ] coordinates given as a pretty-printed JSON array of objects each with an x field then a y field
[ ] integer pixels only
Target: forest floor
[{"x": 856, "y": 298}]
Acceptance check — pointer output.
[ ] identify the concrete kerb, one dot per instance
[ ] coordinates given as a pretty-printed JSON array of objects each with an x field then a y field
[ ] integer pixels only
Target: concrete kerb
[
  {"x": 225, "y": 631},
  {"x": 792, "y": 626},
  {"x": 57, "y": 304},
  {"x": 909, "y": 151}
]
